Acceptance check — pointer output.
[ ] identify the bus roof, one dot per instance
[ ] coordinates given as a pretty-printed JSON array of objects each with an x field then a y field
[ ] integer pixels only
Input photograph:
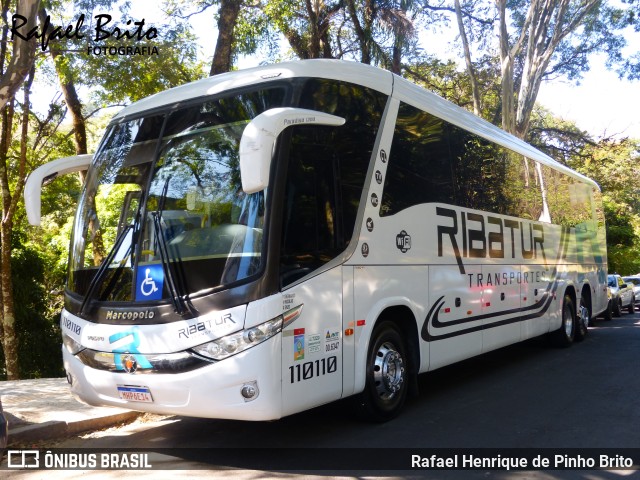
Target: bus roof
[{"x": 352, "y": 72}]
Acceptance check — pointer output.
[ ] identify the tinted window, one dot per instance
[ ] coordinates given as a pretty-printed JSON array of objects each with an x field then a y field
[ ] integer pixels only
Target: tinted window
[
  {"x": 569, "y": 200},
  {"x": 326, "y": 172},
  {"x": 419, "y": 168},
  {"x": 434, "y": 161}
]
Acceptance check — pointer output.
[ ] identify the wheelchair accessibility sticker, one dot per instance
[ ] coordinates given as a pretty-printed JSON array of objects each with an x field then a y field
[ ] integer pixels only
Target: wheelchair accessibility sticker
[{"x": 150, "y": 280}]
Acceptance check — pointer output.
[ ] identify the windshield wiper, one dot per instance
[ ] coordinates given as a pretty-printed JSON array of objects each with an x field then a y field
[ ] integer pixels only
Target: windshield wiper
[
  {"x": 174, "y": 291},
  {"x": 99, "y": 276}
]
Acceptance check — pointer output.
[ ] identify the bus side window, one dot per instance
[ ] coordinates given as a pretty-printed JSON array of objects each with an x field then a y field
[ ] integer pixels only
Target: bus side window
[
  {"x": 419, "y": 165},
  {"x": 326, "y": 171},
  {"x": 309, "y": 233}
]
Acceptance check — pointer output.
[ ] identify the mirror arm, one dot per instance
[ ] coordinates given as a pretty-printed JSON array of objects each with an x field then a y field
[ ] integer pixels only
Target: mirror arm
[
  {"x": 259, "y": 138},
  {"x": 46, "y": 173}
]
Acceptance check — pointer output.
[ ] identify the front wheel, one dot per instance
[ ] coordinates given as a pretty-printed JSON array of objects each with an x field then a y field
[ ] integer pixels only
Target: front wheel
[
  {"x": 632, "y": 306},
  {"x": 617, "y": 307},
  {"x": 386, "y": 384},
  {"x": 608, "y": 313},
  {"x": 564, "y": 336}
]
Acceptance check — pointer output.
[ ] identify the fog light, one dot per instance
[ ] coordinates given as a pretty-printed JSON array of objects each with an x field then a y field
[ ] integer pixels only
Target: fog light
[{"x": 250, "y": 391}]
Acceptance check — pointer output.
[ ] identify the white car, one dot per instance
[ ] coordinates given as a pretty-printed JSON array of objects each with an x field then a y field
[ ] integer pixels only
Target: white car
[
  {"x": 633, "y": 280},
  {"x": 622, "y": 295}
]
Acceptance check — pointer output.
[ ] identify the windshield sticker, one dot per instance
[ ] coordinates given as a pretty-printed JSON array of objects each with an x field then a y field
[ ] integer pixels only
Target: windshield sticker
[
  {"x": 149, "y": 283},
  {"x": 298, "y": 344}
]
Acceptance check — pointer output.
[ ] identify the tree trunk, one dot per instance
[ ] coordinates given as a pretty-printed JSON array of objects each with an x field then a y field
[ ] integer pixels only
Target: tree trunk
[
  {"x": 9, "y": 205},
  {"x": 74, "y": 105},
  {"x": 69, "y": 91},
  {"x": 475, "y": 92},
  {"x": 9, "y": 337},
  {"x": 506, "y": 68},
  {"x": 23, "y": 53},
  {"x": 363, "y": 33},
  {"x": 222, "y": 57}
]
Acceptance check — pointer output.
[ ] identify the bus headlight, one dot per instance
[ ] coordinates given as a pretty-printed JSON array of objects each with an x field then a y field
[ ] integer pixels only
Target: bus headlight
[
  {"x": 73, "y": 346},
  {"x": 240, "y": 341}
]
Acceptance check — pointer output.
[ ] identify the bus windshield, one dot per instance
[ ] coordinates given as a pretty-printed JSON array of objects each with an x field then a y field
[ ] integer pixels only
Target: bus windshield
[{"x": 163, "y": 214}]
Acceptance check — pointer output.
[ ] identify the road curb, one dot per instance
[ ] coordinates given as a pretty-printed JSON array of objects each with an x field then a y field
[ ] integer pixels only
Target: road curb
[{"x": 58, "y": 429}]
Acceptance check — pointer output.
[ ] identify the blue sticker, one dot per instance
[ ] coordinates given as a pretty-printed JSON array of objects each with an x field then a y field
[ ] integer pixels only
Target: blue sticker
[{"x": 150, "y": 280}]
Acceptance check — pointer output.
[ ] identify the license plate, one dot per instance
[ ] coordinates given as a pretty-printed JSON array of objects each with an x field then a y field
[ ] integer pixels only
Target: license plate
[{"x": 132, "y": 393}]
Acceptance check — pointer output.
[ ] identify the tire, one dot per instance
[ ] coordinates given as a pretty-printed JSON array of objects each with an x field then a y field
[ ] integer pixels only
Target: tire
[
  {"x": 582, "y": 322},
  {"x": 617, "y": 309},
  {"x": 608, "y": 313},
  {"x": 386, "y": 384},
  {"x": 632, "y": 306},
  {"x": 564, "y": 336}
]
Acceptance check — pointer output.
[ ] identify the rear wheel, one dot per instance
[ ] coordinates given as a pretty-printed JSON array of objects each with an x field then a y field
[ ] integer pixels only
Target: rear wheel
[
  {"x": 386, "y": 385},
  {"x": 563, "y": 336},
  {"x": 583, "y": 320},
  {"x": 632, "y": 306}
]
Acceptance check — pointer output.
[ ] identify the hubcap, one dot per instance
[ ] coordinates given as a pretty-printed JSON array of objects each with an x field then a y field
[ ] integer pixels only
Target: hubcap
[
  {"x": 568, "y": 322},
  {"x": 388, "y": 371},
  {"x": 584, "y": 315}
]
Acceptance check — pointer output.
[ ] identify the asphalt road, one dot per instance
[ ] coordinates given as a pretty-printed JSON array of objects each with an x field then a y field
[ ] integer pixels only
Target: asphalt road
[{"x": 529, "y": 395}]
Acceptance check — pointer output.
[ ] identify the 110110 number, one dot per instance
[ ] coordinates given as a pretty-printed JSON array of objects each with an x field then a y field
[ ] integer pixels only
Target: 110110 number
[{"x": 309, "y": 370}]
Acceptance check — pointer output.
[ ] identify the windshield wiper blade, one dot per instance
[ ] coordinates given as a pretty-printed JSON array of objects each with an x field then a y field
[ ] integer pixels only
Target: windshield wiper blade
[
  {"x": 174, "y": 291},
  {"x": 99, "y": 276}
]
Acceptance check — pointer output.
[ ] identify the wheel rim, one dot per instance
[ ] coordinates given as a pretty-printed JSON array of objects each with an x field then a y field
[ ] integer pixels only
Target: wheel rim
[
  {"x": 568, "y": 322},
  {"x": 584, "y": 316},
  {"x": 388, "y": 371}
]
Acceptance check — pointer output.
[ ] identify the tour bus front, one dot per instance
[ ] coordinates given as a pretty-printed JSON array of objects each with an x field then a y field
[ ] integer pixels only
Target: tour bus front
[
  {"x": 168, "y": 307},
  {"x": 207, "y": 214},
  {"x": 166, "y": 251}
]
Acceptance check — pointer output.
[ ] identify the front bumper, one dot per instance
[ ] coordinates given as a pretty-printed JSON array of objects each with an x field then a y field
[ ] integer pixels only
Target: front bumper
[{"x": 213, "y": 391}]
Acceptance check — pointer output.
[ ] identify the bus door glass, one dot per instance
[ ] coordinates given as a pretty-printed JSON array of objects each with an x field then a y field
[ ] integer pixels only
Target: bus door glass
[{"x": 326, "y": 170}]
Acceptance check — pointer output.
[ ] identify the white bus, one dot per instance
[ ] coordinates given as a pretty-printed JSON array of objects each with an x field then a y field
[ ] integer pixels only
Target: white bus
[{"x": 265, "y": 241}]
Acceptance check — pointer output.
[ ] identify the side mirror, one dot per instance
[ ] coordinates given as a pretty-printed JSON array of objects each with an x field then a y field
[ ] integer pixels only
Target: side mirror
[
  {"x": 259, "y": 139},
  {"x": 46, "y": 173}
]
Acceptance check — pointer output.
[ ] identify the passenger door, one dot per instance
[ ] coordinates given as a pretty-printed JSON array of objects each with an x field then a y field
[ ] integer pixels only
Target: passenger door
[{"x": 312, "y": 344}]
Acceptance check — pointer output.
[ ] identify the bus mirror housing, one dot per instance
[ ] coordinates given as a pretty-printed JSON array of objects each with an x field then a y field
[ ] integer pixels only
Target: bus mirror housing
[
  {"x": 259, "y": 139},
  {"x": 46, "y": 173}
]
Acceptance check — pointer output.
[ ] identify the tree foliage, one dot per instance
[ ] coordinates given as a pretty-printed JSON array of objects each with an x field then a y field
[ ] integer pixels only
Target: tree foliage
[{"x": 537, "y": 40}]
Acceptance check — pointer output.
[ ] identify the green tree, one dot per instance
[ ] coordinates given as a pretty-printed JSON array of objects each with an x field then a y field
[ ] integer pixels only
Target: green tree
[
  {"x": 26, "y": 141},
  {"x": 14, "y": 72},
  {"x": 613, "y": 164},
  {"x": 536, "y": 40}
]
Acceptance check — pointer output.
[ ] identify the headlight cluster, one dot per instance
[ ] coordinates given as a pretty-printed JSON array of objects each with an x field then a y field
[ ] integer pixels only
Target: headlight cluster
[
  {"x": 73, "y": 346},
  {"x": 240, "y": 341},
  {"x": 185, "y": 360}
]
